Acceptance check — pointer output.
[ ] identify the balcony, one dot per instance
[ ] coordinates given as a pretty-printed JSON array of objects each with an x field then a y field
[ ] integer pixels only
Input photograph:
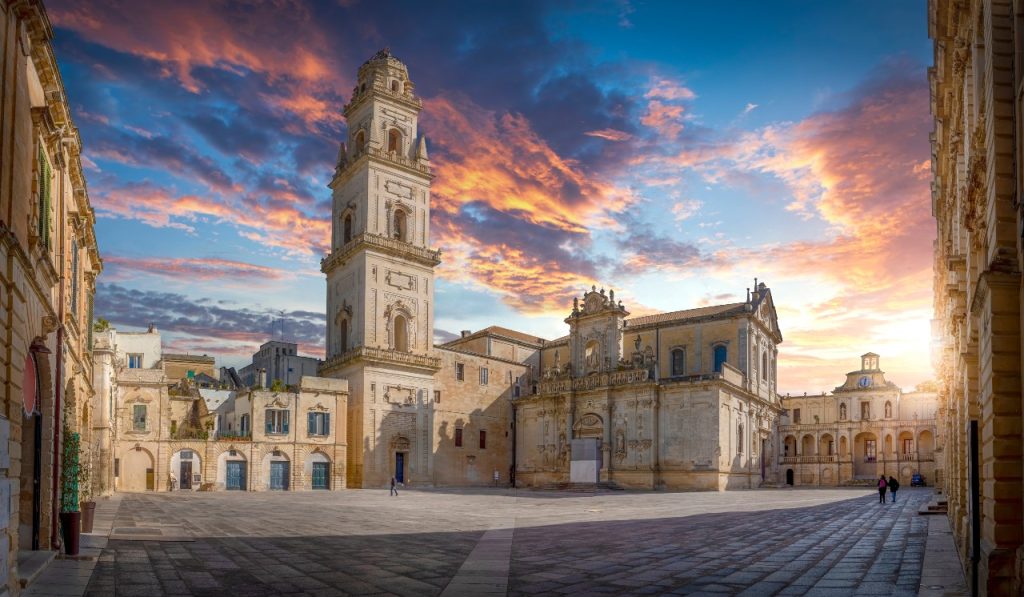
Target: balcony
[
  {"x": 381, "y": 355},
  {"x": 596, "y": 380},
  {"x": 393, "y": 158},
  {"x": 383, "y": 244},
  {"x": 809, "y": 459}
]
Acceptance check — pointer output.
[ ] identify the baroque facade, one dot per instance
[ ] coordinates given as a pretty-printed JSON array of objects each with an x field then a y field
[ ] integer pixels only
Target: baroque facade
[
  {"x": 977, "y": 187},
  {"x": 867, "y": 427},
  {"x": 48, "y": 268},
  {"x": 444, "y": 415}
]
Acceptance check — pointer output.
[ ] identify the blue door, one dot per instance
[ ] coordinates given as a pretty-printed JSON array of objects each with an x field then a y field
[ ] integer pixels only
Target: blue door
[
  {"x": 721, "y": 354},
  {"x": 320, "y": 475},
  {"x": 400, "y": 467},
  {"x": 279, "y": 475},
  {"x": 236, "y": 475}
]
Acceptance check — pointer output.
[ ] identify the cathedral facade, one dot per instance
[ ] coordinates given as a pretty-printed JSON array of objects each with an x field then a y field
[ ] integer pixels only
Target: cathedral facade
[{"x": 682, "y": 399}]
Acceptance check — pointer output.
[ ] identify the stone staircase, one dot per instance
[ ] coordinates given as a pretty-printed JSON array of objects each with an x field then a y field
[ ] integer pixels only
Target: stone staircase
[
  {"x": 937, "y": 505},
  {"x": 582, "y": 487}
]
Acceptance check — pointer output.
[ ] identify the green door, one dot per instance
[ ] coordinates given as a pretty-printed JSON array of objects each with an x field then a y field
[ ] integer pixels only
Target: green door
[{"x": 320, "y": 475}]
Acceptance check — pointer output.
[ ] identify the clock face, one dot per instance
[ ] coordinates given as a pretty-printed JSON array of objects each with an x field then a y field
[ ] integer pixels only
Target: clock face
[{"x": 864, "y": 381}]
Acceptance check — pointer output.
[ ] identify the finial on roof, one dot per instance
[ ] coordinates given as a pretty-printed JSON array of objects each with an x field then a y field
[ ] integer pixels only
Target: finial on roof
[
  {"x": 382, "y": 53},
  {"x": 421, "y": 150}
]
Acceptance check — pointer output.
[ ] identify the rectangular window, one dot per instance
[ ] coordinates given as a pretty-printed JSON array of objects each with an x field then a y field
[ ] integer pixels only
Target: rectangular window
[
  {"x": 865, "y": 410},
  {"x": 135, "y": 361},
  {"x": 483, "y": 439},
  {"x": 796, "y": 415},
  {"x": 117, "y": 467},
  {"x": 319, "y": 423},
  {"x": 870, "y": 455},
  {"x": 139, "y": 417},
  {"x": 908, "y": 446},
  {"x": 277, "y": 421},
  {"x": 437, "y": 396},
  {"x": 483, "y": 376},
  {"x": 458, "y": 437},
  {"x": 460, "y": 372}
]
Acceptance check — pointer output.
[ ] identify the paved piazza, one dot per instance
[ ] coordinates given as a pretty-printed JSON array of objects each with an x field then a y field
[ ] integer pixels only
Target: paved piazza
[{"x": 360, "y": 542}]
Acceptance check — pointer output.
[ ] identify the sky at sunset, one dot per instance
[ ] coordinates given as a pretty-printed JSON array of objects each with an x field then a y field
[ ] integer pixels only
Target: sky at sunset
[{"x": 672, "y": 151}]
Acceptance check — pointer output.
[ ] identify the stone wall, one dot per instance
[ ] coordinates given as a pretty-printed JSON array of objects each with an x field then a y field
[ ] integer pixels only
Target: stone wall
[{"x": 976, "y": 192}]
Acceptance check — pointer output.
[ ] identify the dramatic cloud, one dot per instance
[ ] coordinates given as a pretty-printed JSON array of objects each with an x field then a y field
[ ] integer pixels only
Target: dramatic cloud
[
  {"x": 205, "y": 322},
  {"x": 223, "y": 270}
]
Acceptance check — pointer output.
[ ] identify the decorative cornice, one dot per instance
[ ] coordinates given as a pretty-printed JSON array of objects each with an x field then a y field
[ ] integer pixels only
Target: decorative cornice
[
  {"x": 383, "y": 244},
  {"x": 383, "y": 356}
]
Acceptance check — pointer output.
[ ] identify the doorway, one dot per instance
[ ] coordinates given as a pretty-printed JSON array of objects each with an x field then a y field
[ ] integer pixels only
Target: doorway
[
  {"x": 235, "y": 475},
  {"x": 279, "y": 475},
  {"x": 789, "y": 476},
  {"x": 320, "y": 475},
  {"x": 400, "y": 467},
  {"x": 185, "y": 479}
]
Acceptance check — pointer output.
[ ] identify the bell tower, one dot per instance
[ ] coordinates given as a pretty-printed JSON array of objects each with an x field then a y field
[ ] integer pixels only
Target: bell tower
[{"x": 380, "y": 275}]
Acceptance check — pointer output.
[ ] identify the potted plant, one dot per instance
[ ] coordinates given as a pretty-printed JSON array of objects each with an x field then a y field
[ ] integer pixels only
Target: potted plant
[
  {"x": 70, "y": 516},
  {"x": 88, "y": 505}
]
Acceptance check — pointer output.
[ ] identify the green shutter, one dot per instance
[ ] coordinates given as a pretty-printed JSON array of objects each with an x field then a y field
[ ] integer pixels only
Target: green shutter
[
  {"x": 44, "y": 198},
  {"x": 90, "y": 323}
]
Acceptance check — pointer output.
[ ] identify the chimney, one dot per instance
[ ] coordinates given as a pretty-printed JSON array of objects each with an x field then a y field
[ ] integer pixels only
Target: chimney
[{"x": 465, "y": 333}]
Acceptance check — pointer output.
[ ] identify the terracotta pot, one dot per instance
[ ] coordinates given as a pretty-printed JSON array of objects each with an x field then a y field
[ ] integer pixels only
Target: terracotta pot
[
  {"x": 71, "y": 530},
  {"x": 88, "y": 512}
]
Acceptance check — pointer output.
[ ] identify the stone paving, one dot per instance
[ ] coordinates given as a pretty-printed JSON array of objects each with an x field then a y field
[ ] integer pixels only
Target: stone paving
[{"x": 767, "y": 542}]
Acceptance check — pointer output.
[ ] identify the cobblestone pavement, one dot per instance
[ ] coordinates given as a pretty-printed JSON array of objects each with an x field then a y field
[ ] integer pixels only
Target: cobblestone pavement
[{"x": 768, "y": 542}]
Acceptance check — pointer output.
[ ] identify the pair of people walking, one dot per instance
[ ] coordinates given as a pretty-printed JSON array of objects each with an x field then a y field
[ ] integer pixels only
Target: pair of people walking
[{"x": 891, "y": 485}]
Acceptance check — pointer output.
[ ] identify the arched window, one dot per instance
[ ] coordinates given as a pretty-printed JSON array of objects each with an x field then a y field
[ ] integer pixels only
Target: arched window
[
  {"x": 721, "y": 354},
  {"x": 678, "y": 362},
  {"x": 739, "y": 439},
  {"x": 888, "y": 409},
  {"x": 842, "y": 412},
  {"x": 764, "y": 365},
  {"x": 360, "y": 142},
  {"x": 348, "y": 227},
  {"x": 401, "y": 334},
  {"x": 396, "y": 86},
  {"x": 394, "y": 140},
  {"x": 398, "y": 227},
  {"x": 343, "y": 332}
]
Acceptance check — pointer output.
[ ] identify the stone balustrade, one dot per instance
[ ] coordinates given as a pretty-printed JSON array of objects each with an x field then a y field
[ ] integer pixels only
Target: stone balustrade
[
  {"x": 390, "y": 246},
  {"x": 383, "y": 355}
]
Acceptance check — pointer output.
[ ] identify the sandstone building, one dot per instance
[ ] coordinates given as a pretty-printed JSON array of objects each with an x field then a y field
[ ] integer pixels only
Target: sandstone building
[
  {"x": 976, "y": 200},
  {"x": 865, "y": 428},
  {"x": 165, "y": 436},
  {"x": 48, "y": 267}
]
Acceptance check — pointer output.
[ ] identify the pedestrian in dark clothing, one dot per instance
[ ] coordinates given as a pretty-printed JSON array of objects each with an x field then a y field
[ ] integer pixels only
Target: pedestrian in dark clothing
[
  {"x": 893, "y": 486},
  {"x": 881, "y": 489},
  {"x": 394, "y": 489}
]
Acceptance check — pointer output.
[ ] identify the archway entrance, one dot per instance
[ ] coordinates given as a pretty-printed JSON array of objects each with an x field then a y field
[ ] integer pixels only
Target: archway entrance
[{"x": 865, "y": 455}]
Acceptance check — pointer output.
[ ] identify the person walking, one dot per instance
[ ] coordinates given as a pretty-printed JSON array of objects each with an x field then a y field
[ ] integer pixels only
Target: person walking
[
  {"x": 893, "y": 486},
  {"x": 394, "y": 488},
  {"x": 882, "y": 484}
]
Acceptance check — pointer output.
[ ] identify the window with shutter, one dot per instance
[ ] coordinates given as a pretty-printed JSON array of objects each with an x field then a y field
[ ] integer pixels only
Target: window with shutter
[
  {"x": 139, "y": 417},
  {"x": 311, "y": 423}
]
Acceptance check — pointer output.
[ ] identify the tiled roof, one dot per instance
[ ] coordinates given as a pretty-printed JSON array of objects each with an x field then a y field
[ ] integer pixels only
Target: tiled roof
[
  {"x": 685, "y": 314},
  {"x": 496, "y": 330}
]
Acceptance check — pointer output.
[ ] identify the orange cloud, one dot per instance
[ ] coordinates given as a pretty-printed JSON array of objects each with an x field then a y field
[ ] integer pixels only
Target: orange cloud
[
  {"x": 664, "y": 118},
  {"x": 204, "y": 269}
]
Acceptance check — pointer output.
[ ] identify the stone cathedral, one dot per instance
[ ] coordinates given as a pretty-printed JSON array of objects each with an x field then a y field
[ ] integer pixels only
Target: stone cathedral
[{"x": 685, "y": 399}]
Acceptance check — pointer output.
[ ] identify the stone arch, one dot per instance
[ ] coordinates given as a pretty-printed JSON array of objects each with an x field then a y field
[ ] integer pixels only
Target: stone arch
[
  {"x": 400, "y": 224},
  {"x": 789, "y": 446},
  {"x": 137, "y": 470},
  {"x": 925, "y": 443},
  {"x": 842, "y": 411},
  {"x": 888, "y": 444},
  {"x": 275, "y": 470},
  {"x": 347, "y": 225},
  {"x": 888, "y": 409},
  {"x": 317, "y": 472},
  {"x": 182, "y": 465},
  {"x": 844, "y": 448},
  {"x": 826, "y": 445},
  {"x": 401, "y": 328},
  {"x": 678, "y": 360},
  {"x": 239, "y": 473},
  {"x": 807, "y": 445},
  {"x": 588, "y": 425},
  {"x": 592, "y": 355},
  {"x": 359, "y": 142},
  {"x": 906, "y": 442},
  {"x": 394, "y": 141}
]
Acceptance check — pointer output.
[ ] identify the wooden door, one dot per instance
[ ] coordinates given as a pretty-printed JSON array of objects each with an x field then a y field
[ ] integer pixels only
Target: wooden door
[{"x": 185, "y": 480}]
